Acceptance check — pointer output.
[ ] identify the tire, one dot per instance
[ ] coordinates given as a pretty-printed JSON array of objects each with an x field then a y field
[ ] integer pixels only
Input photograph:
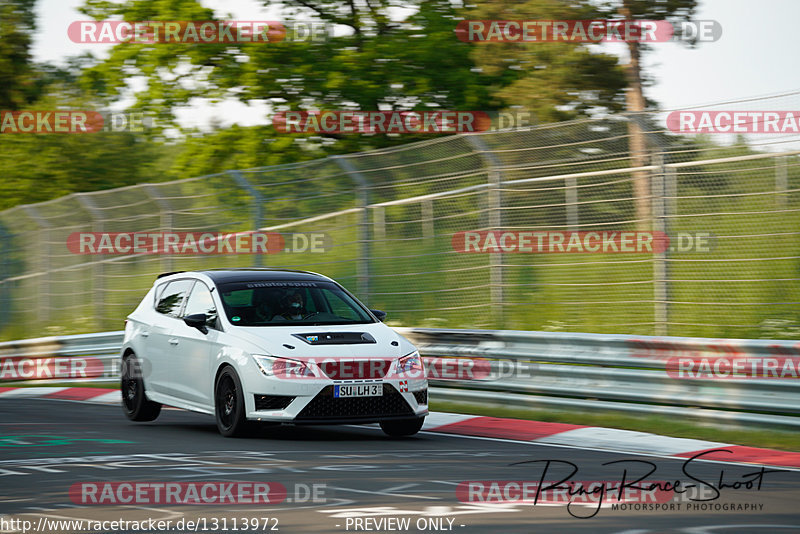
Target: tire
[
  {"x": 402, "y": 427},
  {"x": 229, "y": 408},
  {"x": 134, "y": 402}
]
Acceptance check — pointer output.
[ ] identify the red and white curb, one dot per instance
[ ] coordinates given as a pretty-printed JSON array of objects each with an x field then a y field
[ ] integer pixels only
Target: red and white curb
[
  {"x": 597, "y": 438},
  {"x": 93, "y": 395}
]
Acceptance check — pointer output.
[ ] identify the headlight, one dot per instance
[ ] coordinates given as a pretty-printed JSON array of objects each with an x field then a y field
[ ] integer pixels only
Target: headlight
[
  {"x": 282, "y": 367},
  {"x": 411, "y": 366}
]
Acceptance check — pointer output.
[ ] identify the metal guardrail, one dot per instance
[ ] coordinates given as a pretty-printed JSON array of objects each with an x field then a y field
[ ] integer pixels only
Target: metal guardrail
[
  {"x": 100, "y": 348},
  {"x": 541, "y": 370},
  {"x": 607, "y": 372}
]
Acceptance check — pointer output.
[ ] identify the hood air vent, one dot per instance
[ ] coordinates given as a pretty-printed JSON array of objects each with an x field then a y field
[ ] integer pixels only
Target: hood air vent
[{"x": 336, "y": 338}]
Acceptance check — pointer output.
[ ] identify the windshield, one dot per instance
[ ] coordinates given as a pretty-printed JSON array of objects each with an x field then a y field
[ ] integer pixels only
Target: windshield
[{"x": 275, "y": 303}]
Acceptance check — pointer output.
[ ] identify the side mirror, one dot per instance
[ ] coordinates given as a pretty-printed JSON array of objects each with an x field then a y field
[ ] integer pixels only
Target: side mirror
[
  {"x": 197, "y": 320},
  {"x": 381, "y": 315}
]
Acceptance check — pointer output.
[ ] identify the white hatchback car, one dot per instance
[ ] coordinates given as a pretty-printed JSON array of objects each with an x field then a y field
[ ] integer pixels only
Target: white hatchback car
[{"x": 268, "y": 345}]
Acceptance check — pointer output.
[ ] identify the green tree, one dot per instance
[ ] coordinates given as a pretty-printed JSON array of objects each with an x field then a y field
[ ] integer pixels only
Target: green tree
[
  {"x": 555, "y": 81},
  {"x": 565, "y": 80},
  {"x": 378, "y": 65},
  {"x": 38, "y": 167},
  {"x": 236, "y": 148},
  {"x": 41, "y": 166},
  {"x": 374, "y": 62},
  {"x": 674, "y": 11},
  {"x": 18, "y": 76}
]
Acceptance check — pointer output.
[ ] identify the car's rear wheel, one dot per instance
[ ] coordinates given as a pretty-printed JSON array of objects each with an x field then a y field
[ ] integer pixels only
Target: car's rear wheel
[
  {"x": 134, "y": 402},
  {"x": 402, "y": 427},
  {"x": 229, "y": 405}
]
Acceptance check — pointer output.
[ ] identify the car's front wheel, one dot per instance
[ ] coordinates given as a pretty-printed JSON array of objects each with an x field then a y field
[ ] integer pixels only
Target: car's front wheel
[
  {"x": 229, "y": 405},
  {"x": 402, "y": 427},
  {"x": 134, "y": 402}
]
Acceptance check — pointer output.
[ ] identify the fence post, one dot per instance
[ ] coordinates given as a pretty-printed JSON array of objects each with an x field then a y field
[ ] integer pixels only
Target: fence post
[
  {"x": 671, "y": 190},
  {"x": 6, "y": 251},
  {"x": 427, "y": 220},
  {"x": 660, "y": 263},
  {"x": 663, "y": 184},
  {"x": 781, "y": 181},
  {"x": 571, "y": 200},
  {"x": 97, "y": 285},
  {"x": 43, "y": 264},
  {"x": 379, "y": 223},
  {"x": 256, "y": 207},
  {"x": 495, "y": 205},
  {"x": 362, "y": 201},
  {"x": 166, "y": 220}
]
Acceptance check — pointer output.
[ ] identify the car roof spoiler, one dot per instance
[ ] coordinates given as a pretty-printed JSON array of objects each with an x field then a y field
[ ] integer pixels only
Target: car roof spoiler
[{"x": 162, "y": 275}]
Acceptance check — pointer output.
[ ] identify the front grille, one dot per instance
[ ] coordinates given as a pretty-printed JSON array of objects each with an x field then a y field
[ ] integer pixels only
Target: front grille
[
  {"x": 325, "y": 406},
  {"x": 272, "y": 402},
  {"x": 421, "y": 396}
]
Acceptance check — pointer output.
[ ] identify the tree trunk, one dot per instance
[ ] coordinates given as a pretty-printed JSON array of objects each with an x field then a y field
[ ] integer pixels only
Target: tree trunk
[{"x": 637, "y": 143}]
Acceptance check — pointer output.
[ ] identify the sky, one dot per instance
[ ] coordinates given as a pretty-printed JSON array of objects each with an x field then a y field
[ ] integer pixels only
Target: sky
[{"x": 754, "y": 57}]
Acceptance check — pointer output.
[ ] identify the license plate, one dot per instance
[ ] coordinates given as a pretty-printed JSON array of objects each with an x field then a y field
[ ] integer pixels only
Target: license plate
[{"x": 358, "y": 390}]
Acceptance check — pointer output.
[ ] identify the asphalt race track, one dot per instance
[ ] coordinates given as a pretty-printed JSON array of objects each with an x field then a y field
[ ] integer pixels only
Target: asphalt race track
[{"x": 47, "y": 446}]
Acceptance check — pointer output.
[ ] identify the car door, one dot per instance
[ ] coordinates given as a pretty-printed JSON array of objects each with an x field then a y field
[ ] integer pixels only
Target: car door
[
  {"x": 190, "y": 357},
  {"x": 161, "y": 340}
]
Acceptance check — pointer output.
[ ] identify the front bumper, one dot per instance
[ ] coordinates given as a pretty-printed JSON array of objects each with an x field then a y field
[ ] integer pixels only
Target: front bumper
[{"x": 321, "y": 407}]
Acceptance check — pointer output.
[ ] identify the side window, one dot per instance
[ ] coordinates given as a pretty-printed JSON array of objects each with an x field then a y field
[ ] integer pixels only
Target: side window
[
  {"x": 157, "y": 293},
  {"x": 201, "y": 301},
  {"x": 171, "y": 298}
]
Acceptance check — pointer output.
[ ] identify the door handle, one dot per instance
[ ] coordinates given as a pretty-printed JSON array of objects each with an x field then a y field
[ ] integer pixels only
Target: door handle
[
  {"x": 173, "y": 341},
  {"x": 145, "y": 334}
]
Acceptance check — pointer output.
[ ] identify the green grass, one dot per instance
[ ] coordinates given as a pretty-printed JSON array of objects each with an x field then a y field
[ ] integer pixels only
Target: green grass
[{"x": 666, "y": 426}]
